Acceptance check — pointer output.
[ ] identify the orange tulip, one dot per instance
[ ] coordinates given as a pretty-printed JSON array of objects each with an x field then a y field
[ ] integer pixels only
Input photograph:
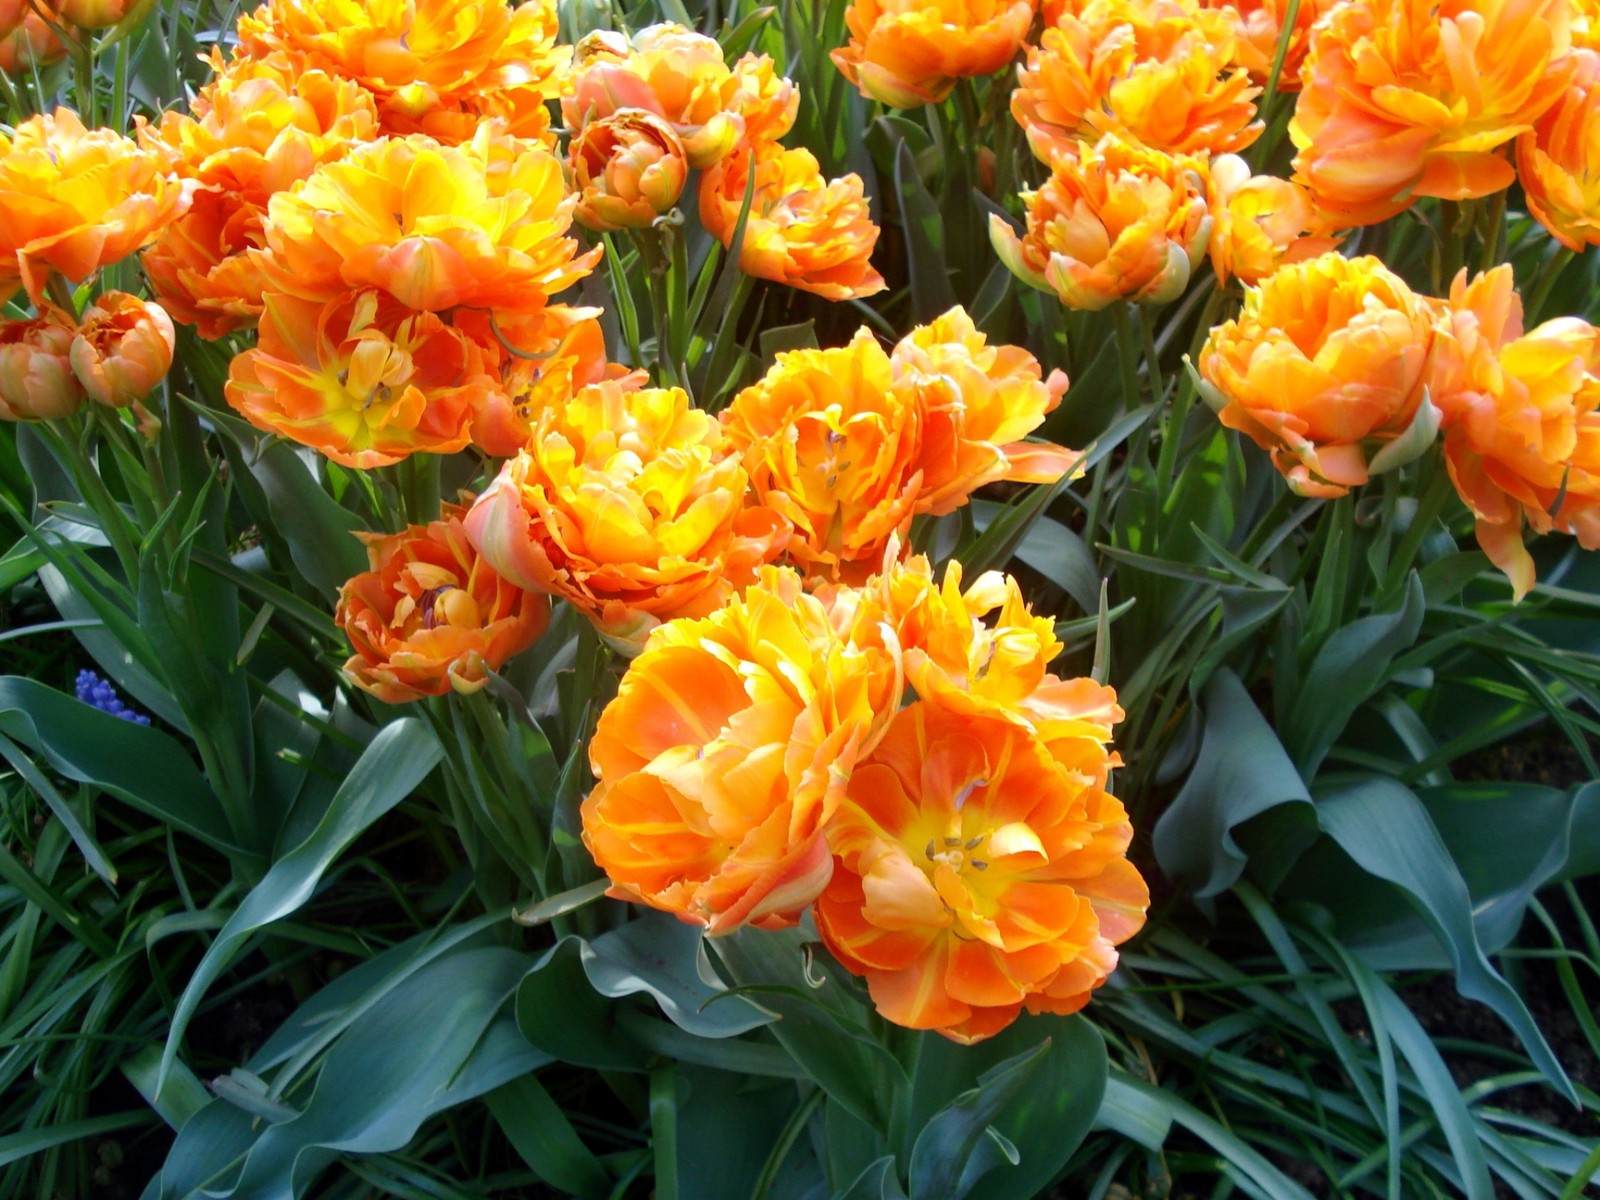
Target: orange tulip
[
  {"x": 1153, "y": 71},
  {"x": 361, "y": 379},
  {"x": 256, "y": 129},
  {"x": 628, "y": 169},
  {"x": 74, "y": 200},
  {"x": 36, "y": 379},
  {"x": 835, "y": 449},
  {"x": 907, "y": 53},
  {"x": 479, "y": 225},
  {"x": 1409, "y": 98},
  {"x": 1558, "y": 160},
  {"x": 977, "y": 403},
  {"x": 122, "y": 349},
  {"x": 668, "y": 70},
  {"x": 979, "y": 650},
  {"x": 1258, "y": 222},
  {"x": 540, "y": 361},
  {"x": 1116, "y": 222},
  {"x": 973, "y": 874},
  {"x": 1325, "y": 367},
  {"x": 803, "y": 230},
  {"x": 26, "y": 37},
  {"x": 1259, "y": 31},
  {"x": 430, "y": 617},
  {"x": 1521, "y": 419},
  {"x": 101, "y": 14},
  {"x": 766, "y": 102},
  {"x": 726, "y": 752},
  {"x": 439, "y": 68},
  {"x": 630, "y": 505}
]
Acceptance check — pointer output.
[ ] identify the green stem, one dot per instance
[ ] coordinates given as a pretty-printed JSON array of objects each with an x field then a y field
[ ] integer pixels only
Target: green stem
[
  {"x": 1546, "y": 283},
  {"x": 86, "y": 476},
  {"x": 1430, "y": 504},
  {"x": 417, "y": 480}
]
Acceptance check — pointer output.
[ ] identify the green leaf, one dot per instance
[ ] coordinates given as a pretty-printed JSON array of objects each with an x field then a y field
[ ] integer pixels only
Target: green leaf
[
  {"x": 821, "y": 1026},
  {"x": 1054, "y": 551},
  {"x": 931, "y": 293},
  {"x": 136, "y": 763},
  {"x": 1350, "y": 666},
  {"x": 1161, "y": 1106},
  {"x": 16, "y": 1146},
  {"x": 370, "y": 1099},
  {"x": 1134, "y": 1114},
  {"x": 182, "y": 1097},
  {"x": 539, "y": 1131},
  {"x": 396, "y": 761},
  {"x": 783, "y": 338},
  {"x": 1241, "y": 778},
  {"x": 943, "y": 1153},
  {"x": 1385, "y": 829},
  {"x": 877, "y": 1182}
]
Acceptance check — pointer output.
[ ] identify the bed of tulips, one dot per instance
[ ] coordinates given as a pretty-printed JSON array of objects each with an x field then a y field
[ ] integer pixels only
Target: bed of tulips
[{"x": 872, "y": 600}]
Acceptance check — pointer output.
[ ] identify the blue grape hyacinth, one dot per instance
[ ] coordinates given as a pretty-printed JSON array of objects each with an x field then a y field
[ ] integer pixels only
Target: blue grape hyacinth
[{"x": 97, "y": 692}]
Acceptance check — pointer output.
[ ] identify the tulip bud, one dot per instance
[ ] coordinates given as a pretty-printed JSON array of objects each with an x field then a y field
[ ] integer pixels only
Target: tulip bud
[
  {"x": 36, "y": 380},
  {"x": 628, "y": 169},
  {"x": 123, "y": 349},
  {"x": 101, "y": 14}
]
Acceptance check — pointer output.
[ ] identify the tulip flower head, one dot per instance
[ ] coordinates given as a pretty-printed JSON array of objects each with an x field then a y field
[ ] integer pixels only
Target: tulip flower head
[
  {"x": 36, "y": 378},
  {"x": 726, "y": 752},
  {"x": 1558, "y": 160},
  {"x": 1325, "y": 367},
  {"x": 73, "y": 200},
  {"x": 122, "y": 349},
  {"x": 803, "y": 230},
  {"x": 630, "y": 504},
  {"x": 975, "y": 875},
  {"x": 1115, "y": 222},
  {"x": 1154, "y": 72},
  {"x": 430, "y": 616},
  {"x": 678, "y": 75},
  {"x": 907, "y": 53},
  {"x": 1521, "y": 420},
  {"x": 1409, "y": 98},
  {"x": 1258, "y": 222},
  {"x": 628, "y": 169}
]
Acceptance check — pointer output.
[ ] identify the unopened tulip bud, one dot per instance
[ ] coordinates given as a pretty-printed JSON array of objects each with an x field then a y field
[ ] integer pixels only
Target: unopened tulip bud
[
  {"x": 628, "y": 169},
  {"x": 36, "y": 379},
  {"x": 123, "y": 349}
]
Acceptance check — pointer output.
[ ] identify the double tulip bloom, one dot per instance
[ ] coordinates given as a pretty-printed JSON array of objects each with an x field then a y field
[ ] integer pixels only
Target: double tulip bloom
[
  {"x": 631, "y": 505},
  {"x": 907, "y": 53},
  {"x": 1325, "y": 368},
  {"x": 848, "y": 444},
  {"x": 1408, "y": 98},
  {"x": 962, "y": 853},
  {"x": 430, "y": 616},
  {"x": 1521, "y": 420}
]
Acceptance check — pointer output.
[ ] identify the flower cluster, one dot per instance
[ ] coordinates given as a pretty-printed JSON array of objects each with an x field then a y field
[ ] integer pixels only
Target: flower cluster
[
  {"x": 98, "y": 693},
  {"x": 76, "y": 201},
  {"x": 648, "y": 110},
  {"x": 1139, "y": 109},
  {"x": 1340, "y": 370},
  {"x": 961, "y": 852}
]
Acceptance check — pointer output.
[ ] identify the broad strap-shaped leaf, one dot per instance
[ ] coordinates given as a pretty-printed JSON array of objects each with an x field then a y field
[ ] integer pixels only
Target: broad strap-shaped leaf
[
  {"x": 136, "y": 763},
  {"x": 395, "y": 762},
  {"x": 1385, "y": 829},
  {"x": 945, "y": 1148},
  {"x": 1241, "y": 773},
  {"x": 1349, "y": 667}
]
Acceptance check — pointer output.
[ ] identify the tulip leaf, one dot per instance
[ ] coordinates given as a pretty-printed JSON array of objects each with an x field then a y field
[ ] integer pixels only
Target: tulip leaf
[
  {"x": 1348, "y": 668},
  {"x": 821, "y": 1022},
  {"x": 944, "y": 1153},
  {"x": 1054, "y": 551},
  {"x": 1241, "y": 778},
  {"x": 538, "y": 1129},
  {"x": 395, "y": 762},
  {"x": 136, "y": 763},
  {"x": 368, "y": 1099},
  {"x": 561, "y": 1007},
  {"x": 877, "y": 1182},
  {"x": 931, "y": 293},
  {"x": 1388, "y": 833}
]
